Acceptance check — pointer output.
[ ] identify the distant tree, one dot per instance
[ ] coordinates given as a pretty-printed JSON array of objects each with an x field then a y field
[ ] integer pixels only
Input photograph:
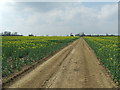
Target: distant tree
[
  {"x": 14, "y": 34},
  {"x": 77, "y": 34},
  {"x": 112, "y": 35},
  {"x": 89, "y": 35},
  {"x": 107, "y": 34},
  {"x": 82, "y": 34},
  {"x": 30, "y": 35},
  {"x": 71, "y": 34},
  {"x": 6, "y": 33}
]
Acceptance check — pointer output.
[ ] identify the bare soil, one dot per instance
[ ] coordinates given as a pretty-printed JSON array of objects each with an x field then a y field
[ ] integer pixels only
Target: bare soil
[{"x": 75, "y": 66}]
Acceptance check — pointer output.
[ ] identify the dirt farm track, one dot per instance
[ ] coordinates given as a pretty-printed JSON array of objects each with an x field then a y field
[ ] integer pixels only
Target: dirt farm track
[{"x": 75, "y": 66}]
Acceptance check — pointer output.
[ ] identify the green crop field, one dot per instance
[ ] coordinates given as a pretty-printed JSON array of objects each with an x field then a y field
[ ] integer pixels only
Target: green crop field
[
  {"x": 108, "y": 51},
  {"x": 19, "y": 51}
]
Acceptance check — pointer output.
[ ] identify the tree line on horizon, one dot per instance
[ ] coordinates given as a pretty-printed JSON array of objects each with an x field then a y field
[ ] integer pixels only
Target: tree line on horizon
[{"x": 7, "y": 33}]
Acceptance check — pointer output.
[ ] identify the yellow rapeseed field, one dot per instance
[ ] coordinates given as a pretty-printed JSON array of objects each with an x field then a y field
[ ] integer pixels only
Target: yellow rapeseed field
[{"x": 19, "y": 51}]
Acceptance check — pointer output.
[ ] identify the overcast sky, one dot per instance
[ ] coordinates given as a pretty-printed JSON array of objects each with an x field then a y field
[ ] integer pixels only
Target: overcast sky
[{"x": 50, "y": 18}]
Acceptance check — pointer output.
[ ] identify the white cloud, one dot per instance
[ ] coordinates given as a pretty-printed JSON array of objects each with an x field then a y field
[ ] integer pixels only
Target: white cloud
[
  {"x": 108, "y": 11},
  {"x": 72, "y": 17}
]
